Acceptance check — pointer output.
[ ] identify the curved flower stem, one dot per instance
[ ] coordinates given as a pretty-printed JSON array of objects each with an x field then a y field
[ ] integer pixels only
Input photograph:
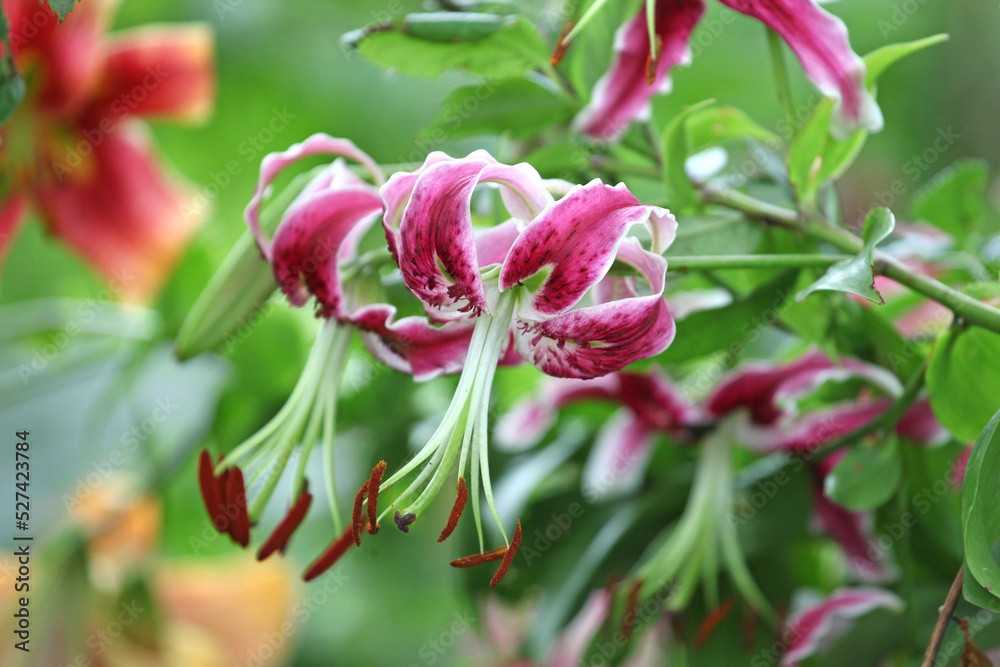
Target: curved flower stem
[
  {"x": 967, "y": 308},
  {"x": 781, "y": 78}
]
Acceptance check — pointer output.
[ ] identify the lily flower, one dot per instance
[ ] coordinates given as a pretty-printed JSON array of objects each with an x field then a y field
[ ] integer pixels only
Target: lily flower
[
  {"x": 314, "y": 254},
  {"x": 651, "y": 404},
  {"x": 524, "y": 279},
  {"x": 648, "y": 47},
  {"x": 75, "y": 150},
  {"x": 761, "y": 398},
  {"x": 819, "y": 622}
]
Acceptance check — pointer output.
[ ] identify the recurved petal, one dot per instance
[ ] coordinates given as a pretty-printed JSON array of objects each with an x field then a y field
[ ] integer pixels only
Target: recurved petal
[
  {"x": 618, "y": 459},
  {"x": 571, "y": 646},
  {"x": 274, "y": 163},
  {"x": 67, "y": 54},
  {"x": 162, "y": 71},
  {"x": 595, "y": 340},
  {"x": 623, "y": 93},
  {"x": 308, "y": 244},
  {"x": 396, "y": 195},
  {"x": 812, "y": 430},
  {"x": 813, "y": 628},
  {"x": 437, "y": 252},
  {"x": 121, "y": 212},
  {"x": 820, "y": 41},
  {"x": 570, "y": 247},
  {"x": 412, "y": 344},
  {"x": 657, "y": 401}
]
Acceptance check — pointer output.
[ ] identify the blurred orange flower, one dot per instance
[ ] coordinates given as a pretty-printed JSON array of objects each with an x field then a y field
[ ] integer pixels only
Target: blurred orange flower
[{"x": 76, "y": 150}]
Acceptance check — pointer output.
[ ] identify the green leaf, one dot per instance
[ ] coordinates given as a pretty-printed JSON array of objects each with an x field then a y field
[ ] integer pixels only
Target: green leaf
[
  {"x": 62, "y": 7},
  {"x": 954, "y": 200},
  {"x": 982, "y": 291},
  {"x": 974, "y": 592},
  {"x": 512, "y": 51},
  {"x": 719, "y": 125},
  {"x": 676, "y": 149},
  {"x": 855, "y": 275},
  {"x": 709, "y": 331},
  {"x": 518, "y": 107},
  {"x": 964, "y": 380},
  {"x": 239, "y": 289},
  {"x": 815, "y": 155},
  {"x": 867, "y": 477},
  {"x": 980, "y": 500},
  {"x": 879, "y": 60}
]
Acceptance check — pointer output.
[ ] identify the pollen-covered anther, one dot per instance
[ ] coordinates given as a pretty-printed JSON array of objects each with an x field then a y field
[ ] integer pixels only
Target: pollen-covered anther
[
  {"x": 278, "y": 540},
  {"x": 404, "y": 521},
  {"x": 712, "y": 620},
  {"x": 515, "y": 542},
  {"x": 480, "y": 558},
  {"x": 631, "y": 603},
  {"x": 211, "y": 493},
  {"x": 559, "y": 52},
  {"x": 653, "y": 61},
  {"x": 373, "y": 487},
  {"x": 461, "y": 497},
  {"x": 357, "y": 518},
  {"x": 328, "y": 558}
]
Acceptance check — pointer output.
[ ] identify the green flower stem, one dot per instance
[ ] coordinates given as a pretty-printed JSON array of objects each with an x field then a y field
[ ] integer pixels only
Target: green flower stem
[
  {"x": 709, "y": 262},
  {"x": 971, "y": 311},
  {"x": 781, "y": 80}
]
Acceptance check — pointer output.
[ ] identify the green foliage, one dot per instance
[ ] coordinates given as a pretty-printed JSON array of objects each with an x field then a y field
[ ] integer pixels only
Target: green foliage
[
  {"x": 62, "y": 7},
  {"x": 955, "y": 199},
  {"x": 511, "y": 51},
  {"x": 518, "y": 107},
  {"x": 980, "y": 518},
  {"x": 964, "y": 380},
  {"x": 867, "y": 477},
  {"x": 854, "y": 275},
  {"x": 816, "y": 156}
]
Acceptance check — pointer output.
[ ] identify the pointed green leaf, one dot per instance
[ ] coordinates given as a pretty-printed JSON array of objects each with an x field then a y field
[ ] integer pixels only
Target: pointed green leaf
[
  {"x": 11, "y": 91},
  {"x": 719, "y": 125},
  {"x": 867, "y": 477},
  {"x": 855, "y": 275},
  {"x": 879, "y": 60},
  {"x": 62, "y": 7},
  {"x": 963, "y": 379},
  {"x": 980, "y": 518}
]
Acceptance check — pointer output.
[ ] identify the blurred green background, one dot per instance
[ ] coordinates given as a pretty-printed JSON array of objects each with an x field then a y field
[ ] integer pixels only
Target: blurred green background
[{"x": 283, "y": 75}]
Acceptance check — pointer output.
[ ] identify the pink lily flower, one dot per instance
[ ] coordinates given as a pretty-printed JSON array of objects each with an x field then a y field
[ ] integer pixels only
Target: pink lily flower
[
  {"x": 761, "y": 396},
  {"x": 651, "y": 405},
  {"x": 641, "y": 69},
  {"x": 527, "y": 279},
  {"x": 314, "y": 255},
  {"x": 817, "y": 624},
  {"x": 75, "y": 150}
]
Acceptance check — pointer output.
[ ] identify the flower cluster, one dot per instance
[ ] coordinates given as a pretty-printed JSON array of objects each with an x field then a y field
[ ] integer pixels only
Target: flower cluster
[{"x": 536, "y": 287}]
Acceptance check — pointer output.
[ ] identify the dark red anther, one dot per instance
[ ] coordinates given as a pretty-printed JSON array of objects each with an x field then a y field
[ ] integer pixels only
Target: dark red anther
[
  {"x": 561, "y": 45},
  {"x": 712, "y": 620},
  {"x": 631, "y": 602},
  {"x": 278, "y": 540},
  {"x": 461, "y": 498},
  {"x": 652, "y": 63},
  {"x": 328, "y": 558},
  {"x": 210, "y": 492},
  {"x": 357, "y": 520},
  {"x": 236, "y": 499},
  {"x": 373, "y": 483},
  {"x": 515, "y": 542},
  {"x": 479, "y": 559}
]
